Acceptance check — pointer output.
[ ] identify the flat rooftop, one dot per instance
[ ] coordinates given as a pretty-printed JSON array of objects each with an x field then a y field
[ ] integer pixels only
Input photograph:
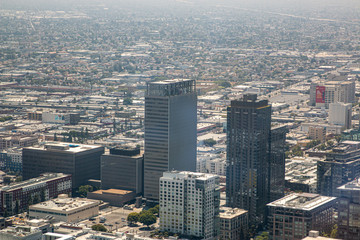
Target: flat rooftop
[
  {"x": 171, "y": 81},
  {"x": 65, "y": 147},
  {"x": 228, "y": 213},
  {"x": 353, "y": 186},
  {"x": 113, "y": 191},
  {"x": 302, "y": 201},
  {"x": 64, "y": 204}
]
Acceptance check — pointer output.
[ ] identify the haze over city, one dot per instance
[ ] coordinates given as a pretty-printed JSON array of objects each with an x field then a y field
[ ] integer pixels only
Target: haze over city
[{"x": 179, "y": 119}]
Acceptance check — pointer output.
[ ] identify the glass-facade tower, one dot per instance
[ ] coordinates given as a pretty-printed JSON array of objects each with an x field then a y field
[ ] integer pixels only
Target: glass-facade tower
[{"x": 248, "y": 151}]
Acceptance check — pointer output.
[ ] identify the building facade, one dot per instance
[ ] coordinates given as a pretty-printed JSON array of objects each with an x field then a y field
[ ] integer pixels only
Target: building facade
[
  {"x": 80, "y": 160},
  {"x": 349, "y": 211},
  {"x": 293, "y": 216},
  {"x": 341, "y": 165},
  {"x": 277, "y": 162},
  {"x": 340, "y": 114},
  {"x": 189, "y": 204},
  {"x": 234, "y": 223},
  {"x": 170, "y": 131},
  {"x": 16, "y": 197},
  {"x": 122, "y": 169},
  {"x": 338, "y": 89},
  {"x": 248, "y": 146},
  {"x": 65, "y": 209}
]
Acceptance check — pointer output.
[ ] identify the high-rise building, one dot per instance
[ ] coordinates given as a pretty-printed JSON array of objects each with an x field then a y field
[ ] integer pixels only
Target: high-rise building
[
  {"x": 349, "y": 211},
  {"x": 80, "y": 160},
  {"x": 340, "y": 114},
  {"x": 341, "y": 165},
  {"x": 170, "y": 131},
  {"x": 277, "y": 162},
  {"x": 189, "y": 204},
  {"x": 16, "y": 197},
  {"x": 122, "y": 169},
  {"x": 248, "y": 146},
  {"x": 293, "y": 216}
]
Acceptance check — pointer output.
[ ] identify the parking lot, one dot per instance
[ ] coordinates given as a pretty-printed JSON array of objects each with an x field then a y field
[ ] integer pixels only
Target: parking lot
[{"x": 116, "y": 221}]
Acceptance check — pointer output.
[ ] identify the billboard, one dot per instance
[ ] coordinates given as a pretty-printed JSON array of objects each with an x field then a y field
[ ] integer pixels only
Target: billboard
[{"x": 320, "y": 94}]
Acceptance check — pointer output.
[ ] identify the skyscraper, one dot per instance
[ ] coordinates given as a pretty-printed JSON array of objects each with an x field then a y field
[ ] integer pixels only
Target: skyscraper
[
  {"x": 277, "y": 162},
  {"x": 189, "y": 204},
  {"x": 248, "y": 145},
  {"x": 170, "y": 131}
]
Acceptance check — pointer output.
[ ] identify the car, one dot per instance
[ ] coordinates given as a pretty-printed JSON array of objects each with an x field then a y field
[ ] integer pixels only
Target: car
[
  {"x": 116, "y": 222},
  {"x": 92, "y": 219}
]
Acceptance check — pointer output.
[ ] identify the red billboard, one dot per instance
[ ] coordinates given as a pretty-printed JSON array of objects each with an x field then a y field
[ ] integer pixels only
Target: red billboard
[{"x": 320, "y": 94}]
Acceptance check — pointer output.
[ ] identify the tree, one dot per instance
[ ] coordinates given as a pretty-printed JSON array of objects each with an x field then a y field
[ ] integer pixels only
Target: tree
[
  {"x": 127, "y": 101},
  {"x": 36, "y": 199},
  {"x": 83, "y": 190},
  {"x": 263, "y": 236},
  {"x": 147, "y": 218},
  {"x": 334, "y": 231},
  {"x": 209, "y": 142},
  {"x": 154, "y": 210},
  {"x": 99, "y": 227},
  {"x": 133, "y": 218}
]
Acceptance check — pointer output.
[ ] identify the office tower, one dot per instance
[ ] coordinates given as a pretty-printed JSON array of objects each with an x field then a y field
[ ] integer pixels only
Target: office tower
[
  {"x": 277, "y": 162},
  {"x": 16, "y": 197},
  {"x": 293, "y": 216},
  {"x": 349, "y": 211},
  {"x": 333, "y": 90},
  {"x": 234, "y": 223},
  {"x": 340, "y": 114},
  {"x": 122, "y": 168},
  {"x": 170, "y": 131},
  {"x": 341, "y": 165},
  {"x": 189, "y": 204},
  {"x": 248, "y": 146},
  {"x": 80, "y": 160}
]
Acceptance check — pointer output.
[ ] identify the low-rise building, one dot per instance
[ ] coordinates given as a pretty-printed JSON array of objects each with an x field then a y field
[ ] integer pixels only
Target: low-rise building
[
  {"x": 65, "y": 209},
  {"x": 233, "y": 223},
  {"x": 20, "y": 233},
  {"x": 115, "y": 197},
  {"x": 17, "y": 196},
  {"x": 293, "y": 216}
]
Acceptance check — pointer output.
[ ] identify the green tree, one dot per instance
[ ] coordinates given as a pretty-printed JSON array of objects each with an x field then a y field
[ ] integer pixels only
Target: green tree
[
  {"x": 127, "y": 101},
  {"x": 133, "y": 218},
  {"x": 209, "y": 142},
  {"x": 154, "y": 210},
  {"x": 263, "y": 236},
  {"x": 334, "y": 231},
  {"x": 99, "y": 227},
  {"x": 147, "y": 218},
  {"x": 83, "y": 190}
]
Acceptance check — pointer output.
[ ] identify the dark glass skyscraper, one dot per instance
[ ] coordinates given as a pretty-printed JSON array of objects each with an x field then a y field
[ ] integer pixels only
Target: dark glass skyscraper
[
  {"x": 248, "y": 145},
  {"x": 277, "y": 162},
  {"x": 170, "y": 131}
]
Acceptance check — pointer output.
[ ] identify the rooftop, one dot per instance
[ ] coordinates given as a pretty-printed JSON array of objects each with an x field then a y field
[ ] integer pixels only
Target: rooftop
[
  {"x": 354, "y": 186},
  {"x": 186, "y": 174},
  {"x": 65, "y": 204},
  {"x": 302, "y": 201},
  {"x": 65, "y": 147},
  {"x": 227, "y": 212},
  {"x": 113, "y": 191}
]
